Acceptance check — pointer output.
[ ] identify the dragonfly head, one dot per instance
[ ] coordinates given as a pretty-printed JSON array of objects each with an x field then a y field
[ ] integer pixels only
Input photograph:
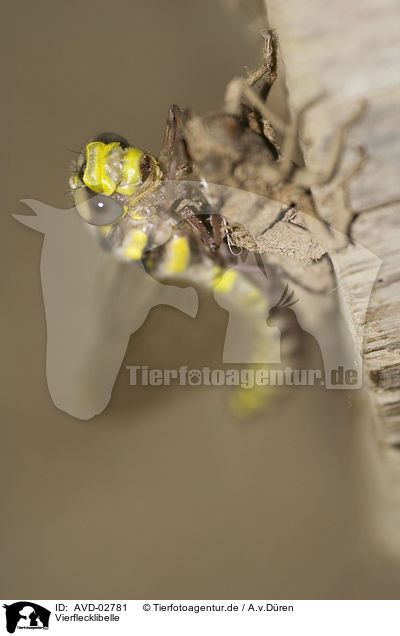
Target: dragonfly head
[{"x": 110, "y": 177}]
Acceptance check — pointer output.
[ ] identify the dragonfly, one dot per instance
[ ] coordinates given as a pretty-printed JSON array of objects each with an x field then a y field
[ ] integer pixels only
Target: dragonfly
[{"x": 191, "y": 213}]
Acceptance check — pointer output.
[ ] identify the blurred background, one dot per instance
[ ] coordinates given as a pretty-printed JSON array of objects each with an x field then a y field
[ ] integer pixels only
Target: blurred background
[{"x": 165, "y": 494}]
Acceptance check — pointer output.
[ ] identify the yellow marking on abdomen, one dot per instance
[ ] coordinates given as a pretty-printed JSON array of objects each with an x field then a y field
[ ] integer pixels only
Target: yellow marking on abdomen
[
  {"x": 178, "y": 253},
  {"x": 104, "y": 229},
  {"x": 252, "y": 296},
  {"x": 224, "y": 281},
  {"x": 246, "y": 402},
  {"x": 247, "y": 295},
  {"x": 135, "y": 247}
]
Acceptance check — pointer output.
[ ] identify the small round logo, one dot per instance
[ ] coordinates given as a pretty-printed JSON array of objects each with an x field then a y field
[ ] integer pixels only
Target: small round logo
[{"x": 194, "y": 377}]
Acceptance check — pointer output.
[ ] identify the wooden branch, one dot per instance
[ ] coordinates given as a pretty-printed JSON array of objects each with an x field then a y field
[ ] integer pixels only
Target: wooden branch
[{"x": 350, "y": 51}]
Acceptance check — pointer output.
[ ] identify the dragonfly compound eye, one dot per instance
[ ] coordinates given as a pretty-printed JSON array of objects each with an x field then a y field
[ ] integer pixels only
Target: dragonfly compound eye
[{"x": 97, "y": 209}]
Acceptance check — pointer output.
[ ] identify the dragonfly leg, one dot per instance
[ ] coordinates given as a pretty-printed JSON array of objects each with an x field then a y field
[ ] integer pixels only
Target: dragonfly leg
[
  {"x": 174, "y": 157},
  {"x": 258, "y": 83},
  {"x": 268, "y": 70},
  {"x": 216, "y": 225},
  {"x": 207, "y": 237}
]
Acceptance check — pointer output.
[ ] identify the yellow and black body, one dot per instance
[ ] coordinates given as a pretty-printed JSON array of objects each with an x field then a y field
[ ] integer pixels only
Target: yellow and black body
[{"x": 134, "y": 208}]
